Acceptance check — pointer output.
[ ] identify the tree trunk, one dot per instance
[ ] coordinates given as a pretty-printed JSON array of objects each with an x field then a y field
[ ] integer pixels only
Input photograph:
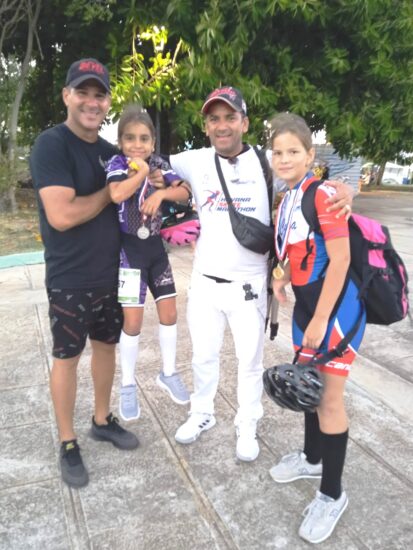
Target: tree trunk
[
  {"x": 380, "y": 173},
  {"x": 12, "y": 199},
  {"x": 32, "y": 17},
  {"x": 157, "y": 132}
]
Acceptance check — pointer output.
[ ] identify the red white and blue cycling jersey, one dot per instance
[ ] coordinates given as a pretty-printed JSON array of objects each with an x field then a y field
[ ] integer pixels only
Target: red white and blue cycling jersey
[{"x": 292, "y": 231}]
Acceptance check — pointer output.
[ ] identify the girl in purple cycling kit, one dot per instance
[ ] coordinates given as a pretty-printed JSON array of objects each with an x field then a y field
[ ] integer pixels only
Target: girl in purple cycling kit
[{"x": 143, "y": 261}]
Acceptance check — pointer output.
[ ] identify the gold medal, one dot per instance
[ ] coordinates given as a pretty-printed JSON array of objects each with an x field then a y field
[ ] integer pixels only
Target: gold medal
[{"x": 278, "y": 272}]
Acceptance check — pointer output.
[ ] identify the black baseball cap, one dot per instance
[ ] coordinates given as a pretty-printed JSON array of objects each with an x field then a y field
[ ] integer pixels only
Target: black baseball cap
[
  {"x": 88, "y": 69},
  {"x": 229, "y": 95}
]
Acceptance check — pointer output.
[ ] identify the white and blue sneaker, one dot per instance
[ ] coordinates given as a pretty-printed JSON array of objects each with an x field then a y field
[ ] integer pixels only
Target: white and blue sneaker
[
  {"x": 174, "y": 386},
  {"x": 128, "y": 405}
]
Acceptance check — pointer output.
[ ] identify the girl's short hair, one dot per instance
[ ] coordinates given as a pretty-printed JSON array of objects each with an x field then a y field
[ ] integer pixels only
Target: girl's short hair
[
  {"x": 294, "y": 124},
  {"x": 135, "y": 113}
]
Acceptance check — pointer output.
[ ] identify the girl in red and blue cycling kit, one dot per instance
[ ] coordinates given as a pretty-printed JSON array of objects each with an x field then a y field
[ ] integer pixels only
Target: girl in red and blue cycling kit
[{"x": 326, "y": 309}]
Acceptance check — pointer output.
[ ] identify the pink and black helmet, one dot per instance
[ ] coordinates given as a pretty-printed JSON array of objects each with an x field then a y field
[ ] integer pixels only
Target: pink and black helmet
[{"x": 181, "y": 230}]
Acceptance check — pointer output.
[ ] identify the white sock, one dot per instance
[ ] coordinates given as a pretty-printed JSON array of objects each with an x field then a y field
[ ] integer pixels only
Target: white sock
[
  {"x": 129, "y": 349},
  {"x": 167, "y": 341}
]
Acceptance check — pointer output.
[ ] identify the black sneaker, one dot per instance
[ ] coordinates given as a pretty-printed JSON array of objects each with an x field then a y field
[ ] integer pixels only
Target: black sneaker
[
  {"x": 113, "y": 432},
  {"x": 73, "y": 470}
]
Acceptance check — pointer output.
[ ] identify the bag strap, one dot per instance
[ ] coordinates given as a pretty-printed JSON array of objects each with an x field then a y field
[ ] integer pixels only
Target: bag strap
[
  {"x": 338, "y": 350},
  {"x": 266, "y": 170},
  {"x": 223, "y": 184},
  {"x": 272, "y": 303},
  {"x": 235, "y": 216},
  {"x": 308, "y": 205},
  {"x": 310, "y": 216}
]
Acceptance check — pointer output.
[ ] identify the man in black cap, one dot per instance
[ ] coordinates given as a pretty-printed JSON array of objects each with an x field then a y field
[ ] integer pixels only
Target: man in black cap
[
  {"x": 80, "y": 232},
  {"x": 228, "y": 283}
]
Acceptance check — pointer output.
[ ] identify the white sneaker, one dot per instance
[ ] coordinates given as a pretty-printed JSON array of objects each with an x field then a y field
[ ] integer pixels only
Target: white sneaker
[
  {"x": 295, "y": 466},
  {"x": 191, "y": 430},
  {"x": 247, "y": 444},
  {"x": 321, "y": 516}
]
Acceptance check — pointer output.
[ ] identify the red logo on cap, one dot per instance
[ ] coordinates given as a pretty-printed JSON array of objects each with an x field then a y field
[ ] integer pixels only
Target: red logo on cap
[
  {"x": 228, "y": 91},
  {"x": 91, "y": 67}
]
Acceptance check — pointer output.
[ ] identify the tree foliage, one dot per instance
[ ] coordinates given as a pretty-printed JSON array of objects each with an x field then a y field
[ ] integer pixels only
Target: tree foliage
[
  {"x": 12, "y": 14},
  {"x": 68, "y": 30},
  {"x": 343, "y": 65},
  {"x": 149, "y": 81},
  {"x": 9, "y": 77}
]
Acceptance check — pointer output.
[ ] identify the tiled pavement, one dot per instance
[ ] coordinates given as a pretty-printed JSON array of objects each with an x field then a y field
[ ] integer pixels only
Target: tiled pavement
[{"x": 198, "y": 497}]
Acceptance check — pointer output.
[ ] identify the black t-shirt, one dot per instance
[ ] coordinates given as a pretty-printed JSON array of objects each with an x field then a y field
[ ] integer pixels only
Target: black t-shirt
[{"x": 85, "y": 256}]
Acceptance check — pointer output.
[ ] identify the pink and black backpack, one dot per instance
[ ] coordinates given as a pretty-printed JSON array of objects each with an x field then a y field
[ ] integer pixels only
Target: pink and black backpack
[{"x": 376, "y": 267}]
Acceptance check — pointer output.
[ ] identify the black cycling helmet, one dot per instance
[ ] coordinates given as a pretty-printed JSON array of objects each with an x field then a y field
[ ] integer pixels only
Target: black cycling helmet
[{"x": 297, "y": 387}]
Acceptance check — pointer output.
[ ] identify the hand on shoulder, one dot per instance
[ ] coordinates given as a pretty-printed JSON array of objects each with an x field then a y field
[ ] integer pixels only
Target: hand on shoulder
[{"x": 342, "y": 200}]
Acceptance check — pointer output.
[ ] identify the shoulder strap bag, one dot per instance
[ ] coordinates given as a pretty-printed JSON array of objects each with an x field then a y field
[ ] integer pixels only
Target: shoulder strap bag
[{"x": 249, "y": 232}]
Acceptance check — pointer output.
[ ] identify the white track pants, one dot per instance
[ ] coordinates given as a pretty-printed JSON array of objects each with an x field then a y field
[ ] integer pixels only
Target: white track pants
[{"x": 210, "y": 306}]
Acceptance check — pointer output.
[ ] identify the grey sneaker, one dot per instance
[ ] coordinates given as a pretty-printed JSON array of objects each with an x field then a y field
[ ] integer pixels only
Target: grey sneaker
[
  {"x": 128, "y": 404},
  {"x": 295, "y": 466},
  {"x": 114, "y": 433},
  {"x": 321, "y": 516},
  {"x": 174, "y": 386},
  {"x": 73, "y": 470},
  {"x": 194, "y": 426}
]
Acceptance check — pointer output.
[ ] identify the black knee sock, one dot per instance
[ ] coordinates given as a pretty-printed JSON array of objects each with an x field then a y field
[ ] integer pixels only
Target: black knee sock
[
  {"x": 333, "y": 454},
  {"x": 312, "y": 442}
]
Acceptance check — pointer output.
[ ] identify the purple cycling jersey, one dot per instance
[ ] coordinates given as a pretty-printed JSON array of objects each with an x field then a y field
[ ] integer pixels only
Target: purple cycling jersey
[{"x": 130, "y": 216}]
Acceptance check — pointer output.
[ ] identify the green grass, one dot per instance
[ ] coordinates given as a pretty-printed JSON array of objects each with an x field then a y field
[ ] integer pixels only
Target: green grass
[{"x": 20, "y": 232}]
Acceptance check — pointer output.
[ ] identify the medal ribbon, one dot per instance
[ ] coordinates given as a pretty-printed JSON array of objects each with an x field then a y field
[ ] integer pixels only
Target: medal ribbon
[
  {"x": 141, "y": 198},
  {"x": 142, "y": 193},
  {"x": 285, "y": 218}
]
